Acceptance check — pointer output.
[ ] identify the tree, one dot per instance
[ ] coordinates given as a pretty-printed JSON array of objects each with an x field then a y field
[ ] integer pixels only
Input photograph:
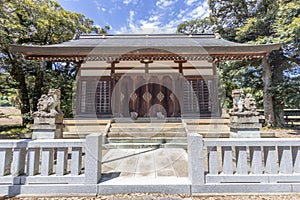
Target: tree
[
  {"x": 205, "y": 25},
  {"x": 261, "y": 22},
  {"x": 36, "y": 23},
  {"x": 279, "y": 24}
]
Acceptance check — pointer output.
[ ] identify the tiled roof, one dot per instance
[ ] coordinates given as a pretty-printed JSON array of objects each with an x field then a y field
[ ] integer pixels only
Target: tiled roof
[
  {"x": 153, "y": 40},
  {"x": 139, "y": 47}
]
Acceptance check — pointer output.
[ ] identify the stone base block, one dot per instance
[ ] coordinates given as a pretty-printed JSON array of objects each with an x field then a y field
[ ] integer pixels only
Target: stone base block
[
  {"x": 245, "y": 126},
  {"x": 58, "y": 119},
  {"x": 244, "y": 119},
  {"x": 244, "y": 133},
  {"x": 46, "y": 134}
]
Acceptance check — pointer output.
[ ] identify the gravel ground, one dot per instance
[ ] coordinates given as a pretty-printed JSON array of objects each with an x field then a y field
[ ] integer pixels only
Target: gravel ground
[
  {"x": 14, "y": 116},
  {"x": 173, "y": 197}
]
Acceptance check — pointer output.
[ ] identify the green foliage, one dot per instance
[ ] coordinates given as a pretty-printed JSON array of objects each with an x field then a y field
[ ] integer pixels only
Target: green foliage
[
  {"x": 9, "y": 95},
  {"x": 244, "y": 75},
  {"x": 260, "y": 22},
  {"x": 196, "y": 26},
  {"x": 41, "y": 22},
  {"x": 14, "y": 131}
]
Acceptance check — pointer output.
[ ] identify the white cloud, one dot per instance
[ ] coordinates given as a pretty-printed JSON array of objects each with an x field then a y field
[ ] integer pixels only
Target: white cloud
[
  {"x": 127, "y": 1},
  {"x": 131, "y": 19},
  {"x": 154, "y": 18},
  {"x": 200, "y": 11},
  {"x": 153, "y": 30},
  {"x": 165, "y": 3},
  {"x": 147, "y": 24},
  {"x": 123, "y": 29},
  {"x": 156, "y": 21},
  {"x": 182, "y": 13},
  {"x": 103, "y": 9},
  {"x": 130, "y": 1},
  {"x": 190, "y": 2}
]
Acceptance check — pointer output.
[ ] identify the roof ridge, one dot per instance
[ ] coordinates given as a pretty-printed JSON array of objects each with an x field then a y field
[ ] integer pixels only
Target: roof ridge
[{"x": 121, "y": 36}]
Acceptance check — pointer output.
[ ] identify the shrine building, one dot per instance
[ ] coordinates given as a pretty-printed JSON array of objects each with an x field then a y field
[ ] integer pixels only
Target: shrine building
[{"x": 155, "y": 75}]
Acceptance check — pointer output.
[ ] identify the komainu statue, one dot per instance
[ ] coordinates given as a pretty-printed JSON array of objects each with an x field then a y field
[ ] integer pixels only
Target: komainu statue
[
  {"x": 49, "y": 105},
  {"x": 244, "y": 105}
]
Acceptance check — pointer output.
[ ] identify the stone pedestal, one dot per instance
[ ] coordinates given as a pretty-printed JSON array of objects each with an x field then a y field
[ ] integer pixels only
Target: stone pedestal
[
  {"x": 47, "y": 128},
  {"x": 244, "y": 126}
]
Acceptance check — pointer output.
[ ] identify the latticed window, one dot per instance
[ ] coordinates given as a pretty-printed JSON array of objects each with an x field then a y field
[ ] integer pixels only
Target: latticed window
[
  {"x": 103, "y": 97},
  {"x": 190, "y": 98},
  {"x": 95, "y": 97},
  {"x": 197, "y": 96},
  {"x": 83, "y": 96}
]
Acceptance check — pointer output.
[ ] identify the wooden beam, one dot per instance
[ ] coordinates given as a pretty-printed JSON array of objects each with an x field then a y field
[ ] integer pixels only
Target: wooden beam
[
  {"x": 180, "y": 65},
  {"x": 112, "y": 66},
  {"x": 139, "y": 68}
]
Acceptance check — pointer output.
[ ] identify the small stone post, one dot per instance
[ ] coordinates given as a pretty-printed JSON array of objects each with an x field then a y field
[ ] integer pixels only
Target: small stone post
[
  {"x": 195, "y": 160},
  {"x": 244, "y": 121},
  {"x": 48, "y": 120},
  {"x": 93, "y": 158}
]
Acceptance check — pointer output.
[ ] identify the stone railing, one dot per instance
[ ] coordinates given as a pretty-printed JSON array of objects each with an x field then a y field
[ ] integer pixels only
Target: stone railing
[
  {"x": 51, "y": 161},
  {"x": 244, "y": 164},
  {"x": 73, "y": 166}
]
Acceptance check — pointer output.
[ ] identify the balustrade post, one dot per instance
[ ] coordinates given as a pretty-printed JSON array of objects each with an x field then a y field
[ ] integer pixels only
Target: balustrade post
[
  {"x": 18, "y": 162},
  {"x": 195, "y": 159},
  {"x": 93, "y": 159}
]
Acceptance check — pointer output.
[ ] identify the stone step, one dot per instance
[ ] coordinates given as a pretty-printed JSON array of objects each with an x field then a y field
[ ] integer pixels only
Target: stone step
[
  {"x": 214, "y": 134},
  {"x": 146, "y": 129},
  {"x": 160, "y": 140},
  {"x": 75, "y": 134},
  {"x": 84, "y": 128},
  {"x": 208, "y": 126},
  {"x": 207, "y": 131},
  {"x": 144, "y": 145},
  {"x": 86, "y": 121},
  {"x": 146, "y": 120},
  {"x": 146, "y": 134},
  {"x": 146, "y": 124},
  {"x": 207, "y": 121}
]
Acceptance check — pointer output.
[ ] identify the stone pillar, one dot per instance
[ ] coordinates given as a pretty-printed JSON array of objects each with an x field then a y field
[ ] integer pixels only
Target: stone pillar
[
  {"x": 48, "y": 120},
  {"x": 244, "y": 121}
]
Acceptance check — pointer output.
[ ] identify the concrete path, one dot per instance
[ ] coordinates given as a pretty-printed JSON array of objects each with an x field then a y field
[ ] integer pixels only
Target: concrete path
[
  {"x": 145, "y": 170},
  {"x": 142, "y": 163}
]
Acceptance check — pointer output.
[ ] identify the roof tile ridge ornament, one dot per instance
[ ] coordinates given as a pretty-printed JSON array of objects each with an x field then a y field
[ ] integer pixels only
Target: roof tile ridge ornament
[
  {"x": 76, "y": 36},
  {"x": 218, "y": 36}
]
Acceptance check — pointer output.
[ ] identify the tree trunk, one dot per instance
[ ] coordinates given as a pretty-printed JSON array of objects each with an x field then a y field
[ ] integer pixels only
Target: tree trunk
[
  {"x": 277, "y": 79},
  {"x": 19, "y": 76},
  {"x": 38, "y": 84},
  {"x": 268, "y": 101}
]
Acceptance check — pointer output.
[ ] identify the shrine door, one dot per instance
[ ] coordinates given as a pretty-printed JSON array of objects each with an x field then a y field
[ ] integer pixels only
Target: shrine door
[{"x": 147, "y": 95}]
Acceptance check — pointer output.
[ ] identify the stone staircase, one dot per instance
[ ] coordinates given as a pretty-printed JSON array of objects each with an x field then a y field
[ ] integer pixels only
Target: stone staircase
[
  {"x": 80, "y": 128},
  {"x": 208, "y": 128},
  {"x": 142, "y": 134}
]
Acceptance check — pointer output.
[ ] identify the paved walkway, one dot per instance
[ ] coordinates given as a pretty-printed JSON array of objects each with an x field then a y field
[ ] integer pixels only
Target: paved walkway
[{"x": 144, "y": 163}]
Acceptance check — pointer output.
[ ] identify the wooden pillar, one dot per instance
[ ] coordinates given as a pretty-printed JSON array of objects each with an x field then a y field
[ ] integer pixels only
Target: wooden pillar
[
  {"x": 146, "y": 62},
  {"x": 216, "y": 103},
  {"x": 78, "y": 89},
  {"x": 113, "y": 66},
  {"x": 180, "y": 65},
  {"x": 113, "y": 83}
]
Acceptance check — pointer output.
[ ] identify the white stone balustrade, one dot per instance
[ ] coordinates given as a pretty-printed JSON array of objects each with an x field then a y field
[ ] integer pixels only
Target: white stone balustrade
[
  {"x": 51, "y": 161},
  {"x": 236, "y": 162},
  {"x": 63, "y": 166}
]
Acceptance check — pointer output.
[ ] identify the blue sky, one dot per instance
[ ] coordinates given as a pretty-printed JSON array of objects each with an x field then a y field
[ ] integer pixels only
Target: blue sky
[{"x": 138, "y": 16}]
